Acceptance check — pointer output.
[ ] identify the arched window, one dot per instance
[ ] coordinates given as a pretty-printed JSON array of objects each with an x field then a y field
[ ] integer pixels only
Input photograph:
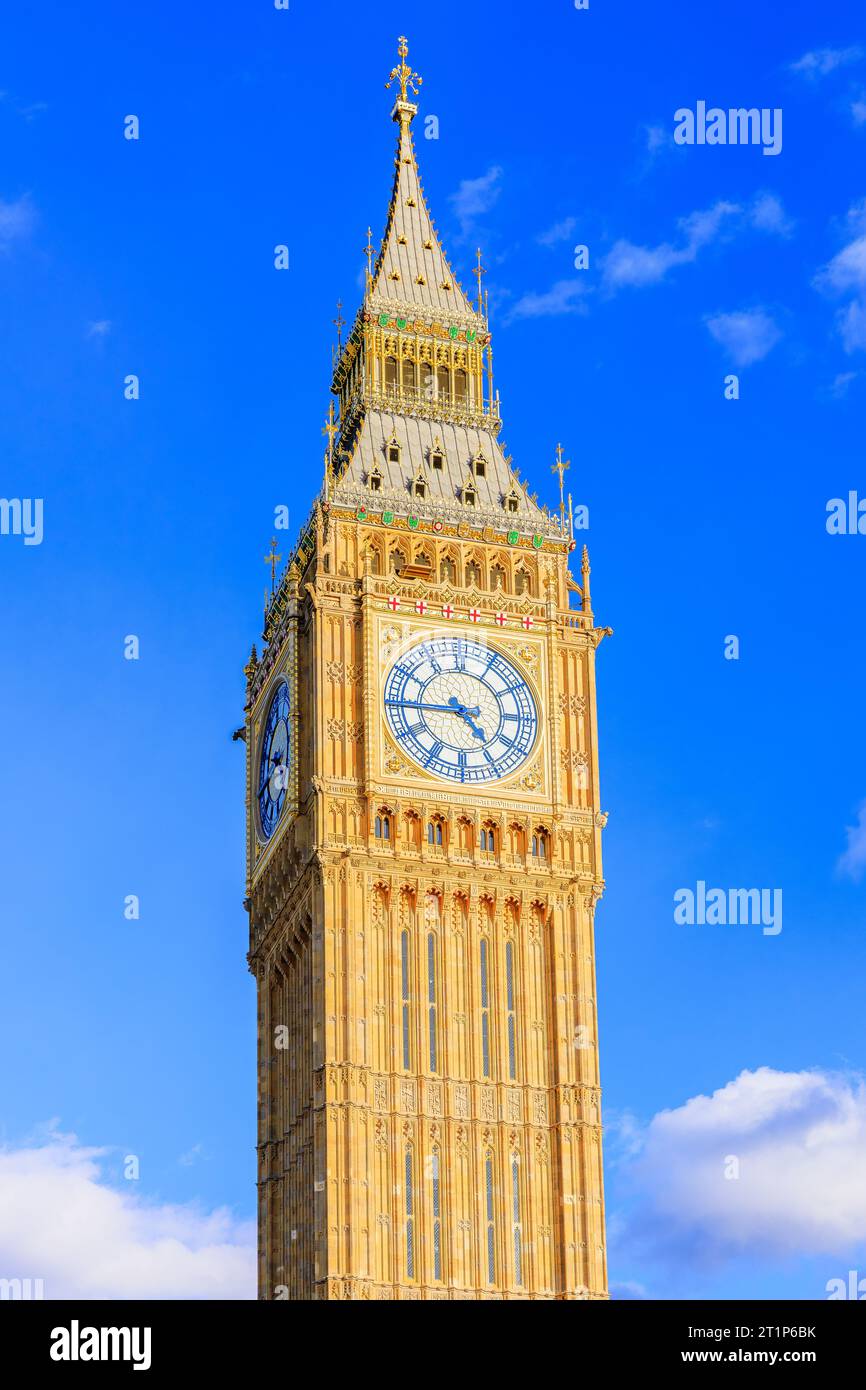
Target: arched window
[
  {"x": 473, "y": 575},
  {"x": 523, "y": 582},
  {"x": 419, "y": 486},
  {"x": 511, "y": 1016},
  {"x": 516, "y": 1223},
  {"x": 392, "y": 450},
  {"x": 539, "y": 843},
  {"x": 460, "y": 386},
  {"x": 485, "y": 1009},
  {"x": 410, "y": 1214},
  {"x": 375, "y": 560},
  {"x": 498, "y": 578},
  {"x": 391, "y": 376},
  {"x": 434, "y": 832},
  {"x": 437, "y": 1216},
  {"x": 512, "y": 502},
  {"x": 408, "y": 375},
  {"x": 383, "y": 826},
  {"x": 488, "y": 838},
  {"x": 479, "y": 466},
  {"x": 405, "y": 998},
  {"x": 443, "y": 383},
  {"x": 398, "y": 560},
  {"x": 470, "y": 496},
  {"x": 431, "y": 997},
  {"x": 413, "y": 830},
  {"x": 375, "y": 480},
  {"x": 447, "y": 570},
  {"x": 437, "y": 460},
  {"x": 491, "y": 1229}
]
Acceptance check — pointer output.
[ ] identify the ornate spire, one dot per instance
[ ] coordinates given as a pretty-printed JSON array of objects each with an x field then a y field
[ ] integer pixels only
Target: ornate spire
[
  {"x": 411, "y": 270},
  {"x": 408, "y": 80}
]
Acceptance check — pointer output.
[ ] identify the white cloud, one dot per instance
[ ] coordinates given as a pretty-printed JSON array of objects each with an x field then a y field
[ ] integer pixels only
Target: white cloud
[
  {"x": 846, "y": 274},
  {"x": 821, "y": 61},
  {"x": 16, "y": 220},
  {"x": 853, "y": 862},
  {"x": 62, "y": 1222},
  {"x": 474, "y": 197},
  {"x": 628, "y": 264},
  {"x": 841, "y": 382},
  {"x": 768, "y": 215},
  {"x": 858, "y": 111},
  {"x": 800, "y": 1142},
  {"x": 560, "y": 231},
  {"x": 658, "y": 137},
  {"x": 746, "y": 336},
  {"x": 100, "y": 329},
  {"x": 565, "y": 297}
]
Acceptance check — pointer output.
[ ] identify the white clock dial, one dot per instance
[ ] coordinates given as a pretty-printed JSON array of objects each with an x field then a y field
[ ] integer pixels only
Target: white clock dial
[{"x": 460, "y": 709}]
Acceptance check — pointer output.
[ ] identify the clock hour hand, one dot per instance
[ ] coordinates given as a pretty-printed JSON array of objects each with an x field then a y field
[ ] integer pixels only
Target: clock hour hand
[{"x": 465, "y": 713}]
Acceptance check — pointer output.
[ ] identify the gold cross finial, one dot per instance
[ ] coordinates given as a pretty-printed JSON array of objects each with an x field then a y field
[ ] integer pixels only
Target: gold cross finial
[
  {"x": 409, "y": 80},
  {"x": 368, "y": 252},
  {"x": 478, "y": 272},
  {"x": 329, "y": 428},
  {"x": 273, "y": 559},
  {"x": 339, "y": 323},
  {"x": 561, "y": 467}
]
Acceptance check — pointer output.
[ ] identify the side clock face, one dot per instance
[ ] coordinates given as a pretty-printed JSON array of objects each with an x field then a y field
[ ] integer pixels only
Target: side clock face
[
  {"x": 461, "y": 710},
  {"x": 274, "y": 762}
]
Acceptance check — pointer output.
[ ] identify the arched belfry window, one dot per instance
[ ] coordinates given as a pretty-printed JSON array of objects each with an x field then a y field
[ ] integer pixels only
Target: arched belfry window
[
  {"x": 391, "y": 376},
  {"x": 443, "y": 383}
]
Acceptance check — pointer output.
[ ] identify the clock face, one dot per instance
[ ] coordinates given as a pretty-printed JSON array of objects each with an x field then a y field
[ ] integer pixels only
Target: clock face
[
  {"x": 461, "y": 710},
  {"x": 274, "y": 765}
]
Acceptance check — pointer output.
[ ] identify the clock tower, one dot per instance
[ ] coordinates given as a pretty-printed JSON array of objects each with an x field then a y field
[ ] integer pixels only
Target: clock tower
[{"x": 424, "y": 831}]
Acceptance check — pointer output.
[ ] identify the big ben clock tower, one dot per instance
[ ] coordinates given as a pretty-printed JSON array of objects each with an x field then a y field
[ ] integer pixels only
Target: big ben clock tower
[{"x": 424, "y": 833}]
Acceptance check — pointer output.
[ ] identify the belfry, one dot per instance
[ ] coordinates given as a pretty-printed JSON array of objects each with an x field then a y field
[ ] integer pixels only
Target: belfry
[{"x": 424, "y": 831}]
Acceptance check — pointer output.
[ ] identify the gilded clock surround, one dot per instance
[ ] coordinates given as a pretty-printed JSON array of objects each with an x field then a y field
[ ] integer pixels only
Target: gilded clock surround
[{"x": 429, "y": 1103}]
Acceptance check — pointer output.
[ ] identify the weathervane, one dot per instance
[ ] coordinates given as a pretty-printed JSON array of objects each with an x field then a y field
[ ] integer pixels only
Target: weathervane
[
  {"x": 561, "y": 467},
  {"x": 403, "y": 74}
]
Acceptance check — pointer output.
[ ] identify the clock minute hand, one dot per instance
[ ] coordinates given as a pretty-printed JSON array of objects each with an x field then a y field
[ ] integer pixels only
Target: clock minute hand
[{"x": 445, "y": 709}]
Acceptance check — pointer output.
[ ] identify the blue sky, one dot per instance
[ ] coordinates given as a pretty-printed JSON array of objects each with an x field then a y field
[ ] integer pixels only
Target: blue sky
[{"x": 707, "y": 519}]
